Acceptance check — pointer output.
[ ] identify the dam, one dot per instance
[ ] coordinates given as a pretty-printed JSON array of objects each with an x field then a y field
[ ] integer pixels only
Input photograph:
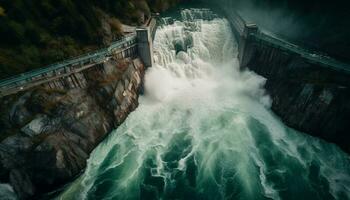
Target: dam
[
  {"x": 203, "y": 128},
  {"x": 309, "y": 90},
  {"x": 205, "y": 131}
]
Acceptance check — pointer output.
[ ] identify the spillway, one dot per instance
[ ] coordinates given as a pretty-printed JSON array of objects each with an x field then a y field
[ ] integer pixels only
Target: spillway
[{"x": 204, "y": 130}]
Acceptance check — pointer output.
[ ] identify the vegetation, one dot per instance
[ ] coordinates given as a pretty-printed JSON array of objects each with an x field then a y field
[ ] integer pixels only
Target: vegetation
[
  {"x": 2, "y": 12},
  {"x": 35, "y": 33}
]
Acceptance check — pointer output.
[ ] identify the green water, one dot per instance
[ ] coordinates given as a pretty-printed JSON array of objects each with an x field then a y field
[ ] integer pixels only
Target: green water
[{"x": 204, "y": 130}]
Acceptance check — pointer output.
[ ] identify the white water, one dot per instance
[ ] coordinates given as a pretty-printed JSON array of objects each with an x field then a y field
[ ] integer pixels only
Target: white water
[
  {"x": 7, "y": 192},
  {"x": 204, "y": 130}
]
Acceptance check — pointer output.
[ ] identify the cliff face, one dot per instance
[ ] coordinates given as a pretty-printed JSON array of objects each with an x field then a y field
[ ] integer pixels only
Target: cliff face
[
  {"x": 321, "y": 110},
  {"x": 306, "y": 96},
  {"x": 47, "y": 133}
]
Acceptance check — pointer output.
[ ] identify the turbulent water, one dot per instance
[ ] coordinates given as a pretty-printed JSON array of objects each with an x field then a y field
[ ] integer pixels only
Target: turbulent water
[{"x": 203, "y": 130}]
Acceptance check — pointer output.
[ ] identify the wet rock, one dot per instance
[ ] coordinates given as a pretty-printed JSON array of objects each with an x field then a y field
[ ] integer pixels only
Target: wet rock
[
  {"x": 57, "y": 160},
  {"x": 17, "y": 143},
  {"x": 306, "y": 95},
  {"x": 36, "y": 126},
  {"x": 21, "y": 183},
  {"x": 50, "y": 132},
  {"x": 14, "y": 111}
]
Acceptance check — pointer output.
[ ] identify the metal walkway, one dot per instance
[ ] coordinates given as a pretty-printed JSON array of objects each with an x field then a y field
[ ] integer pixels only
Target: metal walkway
[
  {"x": 313, "y": 56},
  {"x": 78, "y": 62},
  {"x": 239, "y": 25}
]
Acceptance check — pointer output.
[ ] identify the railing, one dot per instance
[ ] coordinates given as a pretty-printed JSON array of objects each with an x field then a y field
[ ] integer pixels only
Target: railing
[
  {"x": 239, "y": 25},
  {"x": 96, "y": 56},
  {"x": 310, "y": 55},
  {"x": 153, "y": 27}
]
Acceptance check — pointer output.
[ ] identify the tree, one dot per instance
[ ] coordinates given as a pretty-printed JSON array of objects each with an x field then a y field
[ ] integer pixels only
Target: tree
[{"x": 2, "y": 12}]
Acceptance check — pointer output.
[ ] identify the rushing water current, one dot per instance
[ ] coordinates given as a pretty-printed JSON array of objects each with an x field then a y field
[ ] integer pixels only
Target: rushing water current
[{"x": 204, "y": 130}]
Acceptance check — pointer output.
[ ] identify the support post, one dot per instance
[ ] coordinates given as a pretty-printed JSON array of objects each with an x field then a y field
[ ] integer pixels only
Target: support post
[
  {"x": 245, "y": 50},
  {"x": 145, "y": 44}
]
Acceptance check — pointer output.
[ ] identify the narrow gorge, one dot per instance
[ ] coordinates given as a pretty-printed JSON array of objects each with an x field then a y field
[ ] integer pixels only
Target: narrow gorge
[
  {"x": 204, "y": 130},
  {"x": 200, "y": 105}
]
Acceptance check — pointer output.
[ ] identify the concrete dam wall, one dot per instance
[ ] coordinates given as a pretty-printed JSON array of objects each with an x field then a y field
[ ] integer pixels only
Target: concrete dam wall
[{"x": 310, "y": 92}]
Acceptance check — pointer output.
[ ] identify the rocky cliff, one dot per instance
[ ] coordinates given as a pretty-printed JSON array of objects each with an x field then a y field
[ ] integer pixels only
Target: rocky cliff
[
  {"x": 47, "y": 133},
  {"x": 306, "y": 96}
]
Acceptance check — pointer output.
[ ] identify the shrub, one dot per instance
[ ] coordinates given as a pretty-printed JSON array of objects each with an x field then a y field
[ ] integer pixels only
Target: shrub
[
  {"x": 116, "y": 26},
  {"x": 142, "y": 5},
  {"x": 2, "y": 12}
]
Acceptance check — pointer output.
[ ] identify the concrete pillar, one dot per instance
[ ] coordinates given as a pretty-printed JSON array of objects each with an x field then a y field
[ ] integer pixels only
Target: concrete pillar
[
  {"x": 145, "y": 45},
  {"x": 250, "y": 29},
  {"x": 245, "y": 51}
]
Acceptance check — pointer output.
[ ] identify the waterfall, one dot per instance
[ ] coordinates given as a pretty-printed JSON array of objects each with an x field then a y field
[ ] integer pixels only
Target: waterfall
[{"x": 204, "y": 130}]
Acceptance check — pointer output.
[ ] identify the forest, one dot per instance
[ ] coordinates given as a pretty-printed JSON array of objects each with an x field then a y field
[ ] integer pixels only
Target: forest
[{"x": 35, "y": 33}]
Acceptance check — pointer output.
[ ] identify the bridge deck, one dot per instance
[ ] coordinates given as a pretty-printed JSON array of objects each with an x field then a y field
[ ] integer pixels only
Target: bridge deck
[{"x": 20, "y": 82}]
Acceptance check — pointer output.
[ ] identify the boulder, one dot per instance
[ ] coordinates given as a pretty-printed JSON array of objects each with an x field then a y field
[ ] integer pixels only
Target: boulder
[{"x": 36, "y": 126}]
